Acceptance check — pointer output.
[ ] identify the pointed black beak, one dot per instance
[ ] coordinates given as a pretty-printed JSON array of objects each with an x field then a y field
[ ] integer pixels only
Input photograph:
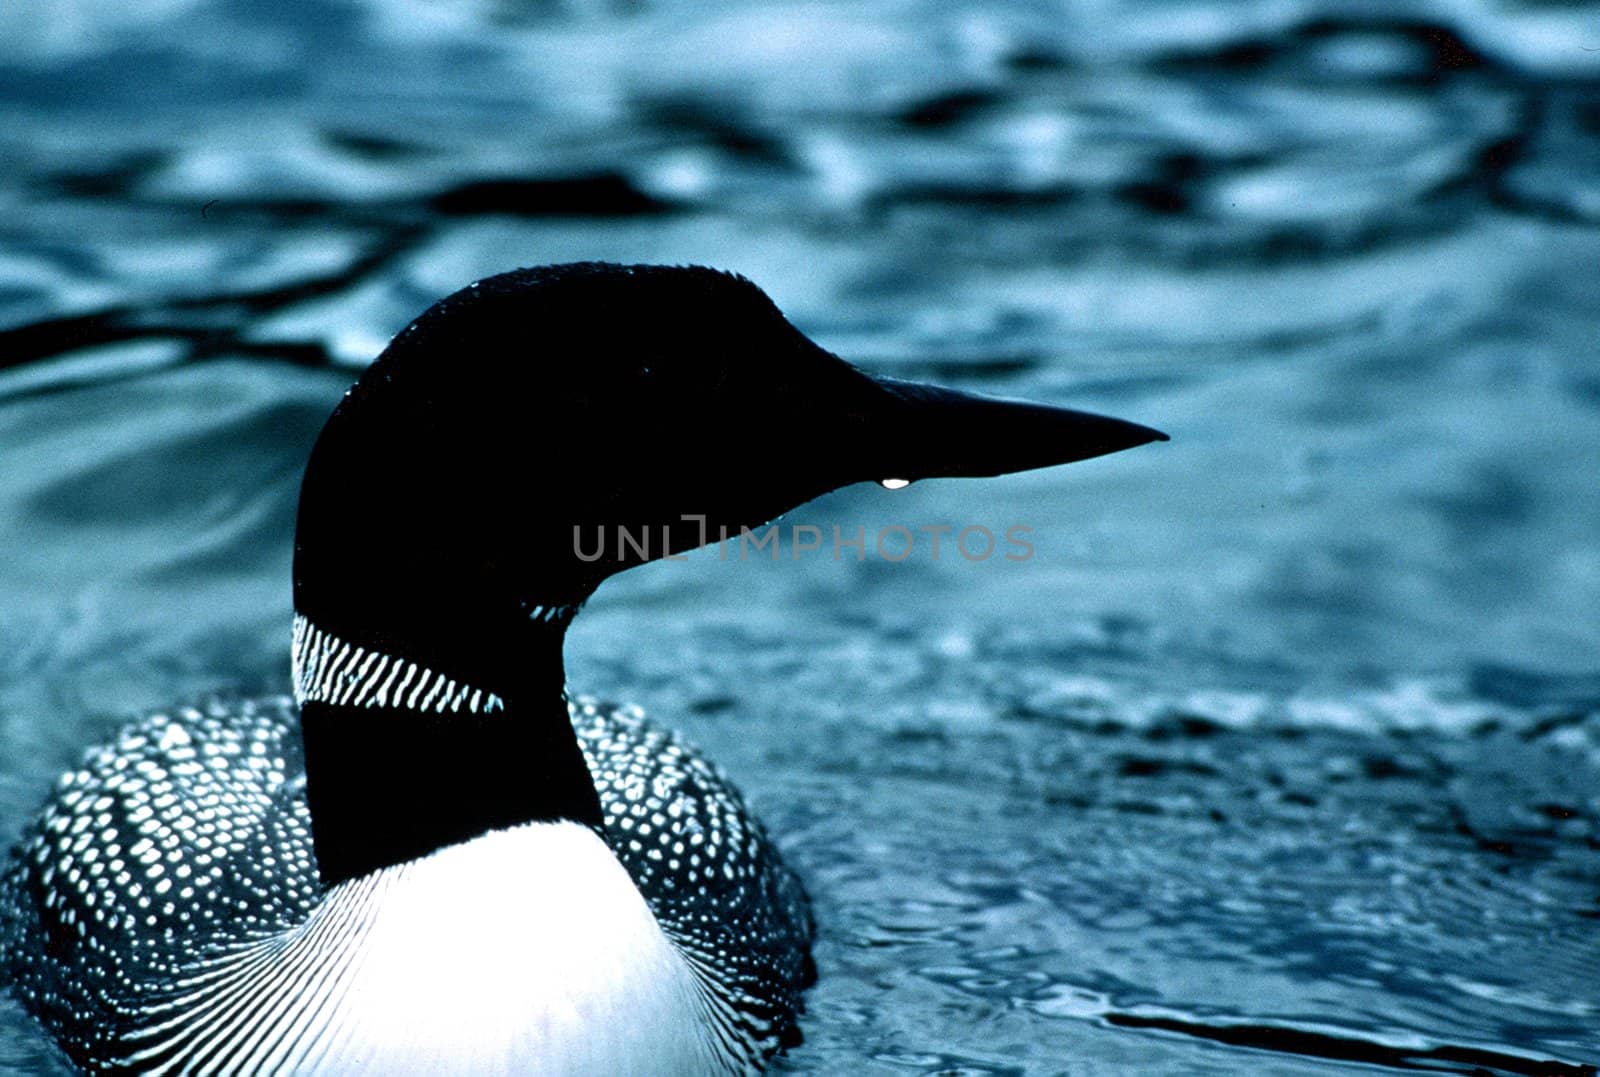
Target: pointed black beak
[{"x": 925, "y": 431}]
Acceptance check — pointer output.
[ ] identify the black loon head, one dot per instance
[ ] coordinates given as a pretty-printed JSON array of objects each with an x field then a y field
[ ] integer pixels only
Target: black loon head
[{"x": 444, "y": 503}]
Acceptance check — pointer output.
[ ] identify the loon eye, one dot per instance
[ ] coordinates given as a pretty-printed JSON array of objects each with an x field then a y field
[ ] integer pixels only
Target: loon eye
[{"x": 894, "y": 484}]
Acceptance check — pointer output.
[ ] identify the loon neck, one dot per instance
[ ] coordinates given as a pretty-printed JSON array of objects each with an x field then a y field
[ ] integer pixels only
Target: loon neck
[{"x": 404, "y": 758}]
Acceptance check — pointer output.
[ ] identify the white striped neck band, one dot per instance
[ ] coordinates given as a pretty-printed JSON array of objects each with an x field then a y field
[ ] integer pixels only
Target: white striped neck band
[
  {"x": 328, "y": 669},
  {"x": 552, "y": 615}
]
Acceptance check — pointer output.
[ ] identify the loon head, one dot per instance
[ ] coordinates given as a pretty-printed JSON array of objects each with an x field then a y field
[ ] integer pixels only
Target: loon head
[{"x": 456, "y": 496}]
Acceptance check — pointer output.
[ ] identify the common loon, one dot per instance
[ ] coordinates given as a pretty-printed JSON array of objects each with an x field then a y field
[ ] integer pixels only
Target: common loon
[{"x": 433, "y": 859}]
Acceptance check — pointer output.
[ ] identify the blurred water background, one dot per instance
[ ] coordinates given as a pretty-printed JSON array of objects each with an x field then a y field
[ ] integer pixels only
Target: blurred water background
[{"x": 1282, "y": 753}]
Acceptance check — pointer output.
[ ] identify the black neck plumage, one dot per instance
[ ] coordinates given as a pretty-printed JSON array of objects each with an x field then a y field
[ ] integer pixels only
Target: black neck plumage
[{"x": 402, "y": 760}]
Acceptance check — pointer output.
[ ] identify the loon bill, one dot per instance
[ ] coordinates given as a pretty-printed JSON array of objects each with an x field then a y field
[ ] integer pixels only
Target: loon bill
[{"x": 433, "y": 859}]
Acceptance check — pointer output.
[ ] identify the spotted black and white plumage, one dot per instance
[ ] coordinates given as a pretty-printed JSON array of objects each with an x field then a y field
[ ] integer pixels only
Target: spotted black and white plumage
[{"x": 182, "y": 850}]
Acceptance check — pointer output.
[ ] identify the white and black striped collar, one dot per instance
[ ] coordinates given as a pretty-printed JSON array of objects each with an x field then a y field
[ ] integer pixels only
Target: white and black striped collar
[
  {"x": 552, "y": 615},
  {"x": 328, "y": 669}
]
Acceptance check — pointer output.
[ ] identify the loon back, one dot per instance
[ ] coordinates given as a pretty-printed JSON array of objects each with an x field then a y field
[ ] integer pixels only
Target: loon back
[
  {"x": 431, "y": 858},
  {"x": 165, "y": 915}
]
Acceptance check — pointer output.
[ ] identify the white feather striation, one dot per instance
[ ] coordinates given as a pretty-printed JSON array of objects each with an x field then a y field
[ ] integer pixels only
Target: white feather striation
[
  {"x": 328, "y": 669},
  {"x": 527, "y": 950}
]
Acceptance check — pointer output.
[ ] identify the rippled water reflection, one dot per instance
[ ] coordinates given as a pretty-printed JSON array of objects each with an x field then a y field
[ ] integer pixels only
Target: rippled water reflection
[{"x": 1281, "y": 755}]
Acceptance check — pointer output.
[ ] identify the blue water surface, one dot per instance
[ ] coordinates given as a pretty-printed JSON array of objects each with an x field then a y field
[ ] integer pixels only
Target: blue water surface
[{"x": 1280, "y": 754}]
